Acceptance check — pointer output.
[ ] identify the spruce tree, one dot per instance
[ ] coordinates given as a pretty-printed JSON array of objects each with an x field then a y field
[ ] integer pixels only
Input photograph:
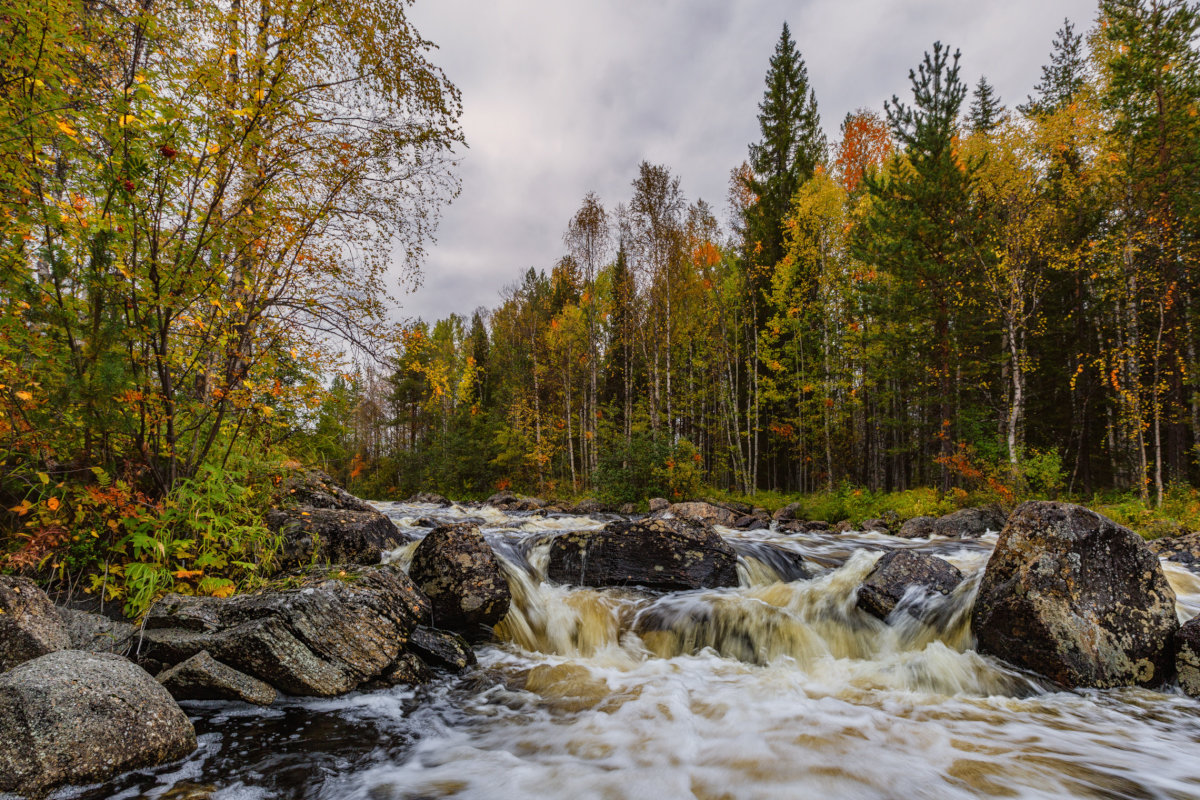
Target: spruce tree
[
  {"x": 1062, "y": 78},
  {"x": 987, "y": 113}
]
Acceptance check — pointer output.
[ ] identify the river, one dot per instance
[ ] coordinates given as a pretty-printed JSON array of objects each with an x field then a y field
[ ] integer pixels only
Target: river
[{"x": 776, "y": 689}]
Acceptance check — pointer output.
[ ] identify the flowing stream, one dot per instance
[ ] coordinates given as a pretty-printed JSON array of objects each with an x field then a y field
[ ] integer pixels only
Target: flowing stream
[{"x": 779, "y": 688}]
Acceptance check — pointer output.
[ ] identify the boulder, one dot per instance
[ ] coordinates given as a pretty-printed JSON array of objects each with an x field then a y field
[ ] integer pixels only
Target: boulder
[
  {"x": 407, "y": 670},
  {"x": 917, "y": 528},
  {"x": 590, "y": 506},
  {"x": 315, "y": 489},
  {"x": 749, "y": 523},
  {"x": 969, "y": 523},
  {"x": 29, "y": 624},
  {"x": 627, "y": 509},
  {"x": 658, "y": 505},
  {"x": 662, "y": 554},
  {"x": 202, "y": 677},
  {"x": 842, "y": 526},
  {"x": 458, "y": 571},
  {"x": 74, "y": 717},
  {"x": 502, "y": 499},
  {"x": 704, "y": 513},
  {"x": 875, "y": 525},
  {"x": 894, "y": 575},
  {"x": 787, "y": 512},
  {"x": 804, "y": 526},
  {"x": 336, "y": 631},
  {"x": 429, "y": 499},
  {"x": 1076, "y": 597},
  {"x": 333, "y": 535},
  {"x": 443, "y": 649},
  {"x": 1187, "y": 656},
  {"x": 1183, "y": 549},
  {"x": 96, "y": 633}
]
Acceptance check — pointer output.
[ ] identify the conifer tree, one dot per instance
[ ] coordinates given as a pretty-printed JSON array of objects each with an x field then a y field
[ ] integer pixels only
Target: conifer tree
[
  {"x": 987, "y": 112},
  {"x": 1062, "y": 78}
]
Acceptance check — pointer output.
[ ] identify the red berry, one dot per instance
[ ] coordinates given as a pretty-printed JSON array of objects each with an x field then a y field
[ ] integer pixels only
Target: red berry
[
  {"x": 168, "y": 151},
  {"x": 129, "y": 187}
]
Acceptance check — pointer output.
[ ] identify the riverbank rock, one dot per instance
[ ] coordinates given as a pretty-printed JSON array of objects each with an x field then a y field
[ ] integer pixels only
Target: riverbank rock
[
  {"x": 589, "y": 505},
  {"x": 429, "y": 499},
  {"x": 315, "y": 489},
  {"x": 1183, "y": 549},
  {"x": 333, "y": 535},
  {"x": 664, "y": 554},
  {"x": 456, "y": 569},
  {"x": 896, "y": 573},
  {"x": 659, "y": 505},
  {"x": 788, "y": 512},
  {"x": 749, "y": 522},
  {"x": 1187, "y": 656},
  {"x": 202, "y": 677},
  {"x": 71, "y": 717},
  {"x": 917, "y": 528},
  {"x": 1073, "y": 596},
  {"x": 704, "y": 513},
  {"x": 96, "y": 633},
  {"x": 444, "y": 649},
  {"x": 875, "y": 526},
  {"x": 334, "y": 632},
  {"x": 29, "y": 623},
  {"x": 969, "y": 523}
]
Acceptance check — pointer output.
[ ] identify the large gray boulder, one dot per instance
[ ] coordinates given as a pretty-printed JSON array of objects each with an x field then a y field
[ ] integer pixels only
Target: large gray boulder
[
  {"x": 704, "y": 513},
  {"x": 29, "y": 623},
  {"x": 202, "y": 677},
  {"x": 661, "y": 554},
  {"x": 917, "y": 528},
  {"x": 1076, "y": 597},
  {"x": 969, "y": 523},
  {"x": 896, "y": 573},
  {"x": 71, "y": 717},
  {"x": 332, "y": 535},
  {"x": 1187, "y": 656},
  {"x": 456, "y": 569},
  {"x": 335, "y": 632}
]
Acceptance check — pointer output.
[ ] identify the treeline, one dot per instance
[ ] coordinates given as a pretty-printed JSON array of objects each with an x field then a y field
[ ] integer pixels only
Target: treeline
[{"x": 954, "y": 292}]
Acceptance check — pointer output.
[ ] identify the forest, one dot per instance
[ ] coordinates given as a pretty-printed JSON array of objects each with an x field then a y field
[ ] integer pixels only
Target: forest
[{"x": 200, "y": 204}]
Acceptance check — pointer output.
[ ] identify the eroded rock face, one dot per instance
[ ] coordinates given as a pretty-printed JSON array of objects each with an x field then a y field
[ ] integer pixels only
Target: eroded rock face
[
  {"x": 704, "y": 513},
  {"x": 969, "y": 523},
  {"x": 202, "y": 677},
  {"x": 456, "y": 569},
  {"x": 337, "y": 631},
  {"x": 29, "y": 624},
  {"x": 896, "y": 572},
  {"x": 71, "y": 717},
  {"x": 333, "y": 535},
  {"x": 1077, "y": 598},
  {"x": 1187, "y": 656},
  {"x": 662, "y": 554}
]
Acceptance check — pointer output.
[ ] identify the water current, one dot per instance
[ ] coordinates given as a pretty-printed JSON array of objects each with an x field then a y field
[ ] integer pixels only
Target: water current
[{"x": 780, "y": 688}]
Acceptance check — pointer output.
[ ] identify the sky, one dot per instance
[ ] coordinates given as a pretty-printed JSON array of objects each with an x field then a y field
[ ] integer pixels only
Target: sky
[{"x": 563, "y": 97}]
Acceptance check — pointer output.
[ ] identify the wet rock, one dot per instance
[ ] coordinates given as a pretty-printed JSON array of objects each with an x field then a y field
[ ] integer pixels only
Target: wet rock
[
  {"x": 334, "y": 632},
  {"x": 502, "y": 500},
  {"x": 315, "y": 489},
  {"x": 444, "y": 649},
  {"x": 704, "y": 513},
  {"x": 750, "y": 523},
  {"x": 202, "y": 677},
  {"x": 71, "y": 717},
  {"x": 738, "y": 508},
  {"x": 1073, "y": 596},
  {"x": 787, "y": 512},
  {"x": 313, "y": 535},
  {"x": 590, "y": 505},
  {"x": 658, "y": 505},
  {"x": 841, "y": 526},
  {"x": 408, "y": 670},
  {"x": 917, "y": 528},
  {"x": 456, "y": 568},
  {"x": 1183, "y": 550},
  {"x": 969, "y": 523},
  {"x": 96, "y": 633},
  {"x": 528, "y": 504},
  {"x": 1187, "y": 656},
  {"x": 803, "y": 526},
  {"x": 430, "y": 499},
  {"x": 896, "y": 572},
  {"x": 786, "y": 564},
  {"x": 662, "y": 554},
  {"x": 875, "y": 525},
  {"x": 29, "y": 624},
  {"x": 628, "y": 508}
]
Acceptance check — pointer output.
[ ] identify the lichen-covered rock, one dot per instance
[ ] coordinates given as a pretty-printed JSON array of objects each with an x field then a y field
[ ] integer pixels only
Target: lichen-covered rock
[
  {"x": 335, "y": 632},
  {"x": 333, "y": 535},
  {"x": 408, "y": 670},
  {"x": 1183, "y": 549},
  {"x": 456, "y": 569},
  {"x": 627, "y": 509},
  {"x": 315, "y": 489},
  {"x": 659, "y": 505},
  {"x": 71, "y": 717},
  {"x": 1187, "y": 656},
  {"x": 96, "y": 633},
  {"x": 917, "y": 528},
  {"x": 661, "y": 554},
  {"x": 969, "y": 523},
  {"x": 704, "y": 513},
  {"x": 29, "y": 624},
  {"x": 894, "y": 575},
  {"x": 1073, "y": 596},
  {"x": 444, "y": 649},
  {"x": 202, "y": 677}
]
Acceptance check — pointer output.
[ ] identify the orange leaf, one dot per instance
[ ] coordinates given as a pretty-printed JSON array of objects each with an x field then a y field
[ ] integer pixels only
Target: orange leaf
[{"x": 187, "y": 574}]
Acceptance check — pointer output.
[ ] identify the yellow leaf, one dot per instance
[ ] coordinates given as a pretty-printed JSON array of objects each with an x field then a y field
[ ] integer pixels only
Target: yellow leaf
[
  {"x": 223, "y": 591},
  {"x": 26, "y": 396},
  {"x": 66, "y": 128},
  {"x": 44, "y": 478}
]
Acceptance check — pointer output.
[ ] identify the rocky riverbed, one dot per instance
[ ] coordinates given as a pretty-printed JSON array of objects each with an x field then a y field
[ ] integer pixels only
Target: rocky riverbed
[{"x": 727, "y": 656}]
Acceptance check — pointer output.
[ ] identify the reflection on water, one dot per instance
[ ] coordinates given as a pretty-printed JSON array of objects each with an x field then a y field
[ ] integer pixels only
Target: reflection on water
[{"x": 777, "y": 689}]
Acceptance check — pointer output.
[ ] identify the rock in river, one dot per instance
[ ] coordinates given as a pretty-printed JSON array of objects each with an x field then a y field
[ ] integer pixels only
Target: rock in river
[
  {"x": 704, "y": 513},
  {"x": 202, "y": 677},
  {"x": 1073, "y": 596},
  {"x": 457, "y": 570},
  {"x": 29, "y": 623},
  {"x": 661, "y": 554},
  {"x": 896, "y": 572},
  {"x": 1187, "y": 656},
  {"x": 74, "y": 717},
  {"x": 333, "y": 535}
]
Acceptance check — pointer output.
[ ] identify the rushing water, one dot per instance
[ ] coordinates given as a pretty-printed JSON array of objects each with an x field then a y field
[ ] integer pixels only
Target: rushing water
[{"x": 780, "y": 688}]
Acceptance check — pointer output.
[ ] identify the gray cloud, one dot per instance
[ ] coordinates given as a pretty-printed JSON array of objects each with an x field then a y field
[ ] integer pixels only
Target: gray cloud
[{"x": 562, "y": 98}]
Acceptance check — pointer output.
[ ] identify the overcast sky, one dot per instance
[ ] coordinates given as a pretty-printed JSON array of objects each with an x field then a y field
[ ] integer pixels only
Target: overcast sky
[{"x": 564, "y": 97}]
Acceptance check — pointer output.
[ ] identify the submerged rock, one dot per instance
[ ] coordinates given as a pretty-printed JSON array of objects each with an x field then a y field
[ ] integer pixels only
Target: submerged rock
[
  {"x": 29, "y": 624},
  {"x": 969, "y": 523},
  {"x": 456, "y": 569},
  {"x": 661, "y": 554},
  {"x": 704, "y": 513},
  {"x": 202, "y": 677},
  {"x": 1187, "y": 656},
  {"x": 74, "y": 717},
  {"x": 330, "y": 635},
  {"x": 332, "y": 535},
  {"x": 894, "y": 575},
  {"x": 1073, "y": 596}
]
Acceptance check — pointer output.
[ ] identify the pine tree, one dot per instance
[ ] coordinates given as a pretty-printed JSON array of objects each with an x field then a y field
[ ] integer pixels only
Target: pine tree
[
  {"x": 1062, "y": 78},
  {"x": 987, "y": 113}
]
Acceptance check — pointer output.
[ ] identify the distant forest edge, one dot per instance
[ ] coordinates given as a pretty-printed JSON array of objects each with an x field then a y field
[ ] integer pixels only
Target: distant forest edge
[
  {"x": 956, "y": 301},
  {"x": 954, "y": 295}
]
